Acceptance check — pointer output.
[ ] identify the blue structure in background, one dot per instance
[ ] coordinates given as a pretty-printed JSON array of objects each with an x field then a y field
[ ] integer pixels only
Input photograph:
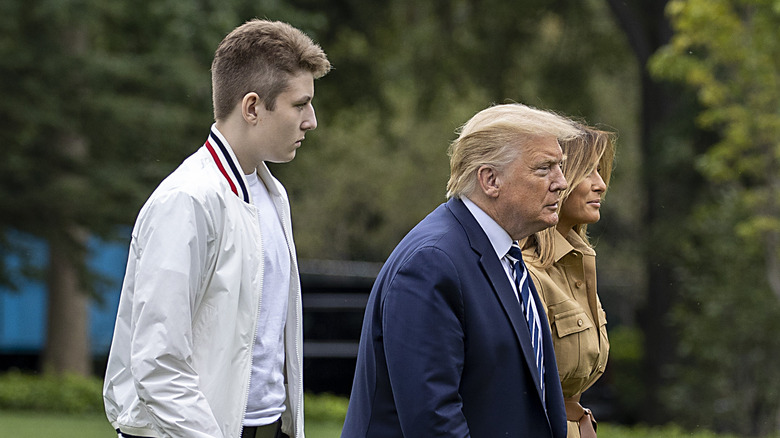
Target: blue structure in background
[
  {"x": 23, "y": 312},
  {"x": 334, "y": 298}
]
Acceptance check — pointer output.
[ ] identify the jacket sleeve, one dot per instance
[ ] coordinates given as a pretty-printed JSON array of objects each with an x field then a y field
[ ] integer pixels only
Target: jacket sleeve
[
  {"x": 424, "y": 343},
  {"x": 171, "y": 244}
]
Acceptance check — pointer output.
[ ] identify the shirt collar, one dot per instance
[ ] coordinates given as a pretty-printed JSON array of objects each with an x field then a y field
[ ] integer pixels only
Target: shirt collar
[
  {"x": 499, "y": 238},
  {"x": 571, "y": 242}
]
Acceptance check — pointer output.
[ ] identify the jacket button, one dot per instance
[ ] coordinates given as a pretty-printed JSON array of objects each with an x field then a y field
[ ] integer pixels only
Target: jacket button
[
  {"x": 579, "y": 322},
  {"x": 578, "y": 284}
]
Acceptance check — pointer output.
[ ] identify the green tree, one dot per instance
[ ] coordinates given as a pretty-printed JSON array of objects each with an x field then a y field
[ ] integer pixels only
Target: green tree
[
  {"x": 727, "y": 318},
  {"x": 668, "y": 191},
  {"x": 728, "y": 52},
  {"x": 406, "y": 75},
  {"x": 100, "y": 100}
]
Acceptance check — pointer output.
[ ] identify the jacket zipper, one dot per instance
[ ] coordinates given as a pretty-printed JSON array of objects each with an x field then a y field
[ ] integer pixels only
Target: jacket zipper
[
  {"x": 254, "y": 325},
  {"x": 298, "y": 329}
]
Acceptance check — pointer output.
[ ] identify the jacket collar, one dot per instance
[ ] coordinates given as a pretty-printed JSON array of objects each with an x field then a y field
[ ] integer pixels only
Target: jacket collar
[
  {"x": 563, "y": 245},
  {"x": 227, "y": 163}
]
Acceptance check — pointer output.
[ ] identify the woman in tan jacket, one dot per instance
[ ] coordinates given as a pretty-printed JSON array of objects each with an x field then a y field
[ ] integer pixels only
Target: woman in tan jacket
[{"x": 562, "y": 263}]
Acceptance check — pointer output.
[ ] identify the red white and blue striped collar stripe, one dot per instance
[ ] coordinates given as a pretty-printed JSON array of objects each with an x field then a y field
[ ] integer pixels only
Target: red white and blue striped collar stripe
[{"x": 227, "y": 163}]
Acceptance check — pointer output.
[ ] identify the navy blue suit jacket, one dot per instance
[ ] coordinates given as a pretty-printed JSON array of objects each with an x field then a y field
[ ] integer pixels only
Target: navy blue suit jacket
[{"x": 445, "y": 349}]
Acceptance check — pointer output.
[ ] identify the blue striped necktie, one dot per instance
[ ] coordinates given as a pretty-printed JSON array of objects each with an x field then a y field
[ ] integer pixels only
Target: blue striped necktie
[{"x": 522, "y": 281}]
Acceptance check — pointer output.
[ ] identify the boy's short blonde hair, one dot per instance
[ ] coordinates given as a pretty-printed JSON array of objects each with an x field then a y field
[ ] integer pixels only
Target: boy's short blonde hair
[{"x": 260, "y": 56}]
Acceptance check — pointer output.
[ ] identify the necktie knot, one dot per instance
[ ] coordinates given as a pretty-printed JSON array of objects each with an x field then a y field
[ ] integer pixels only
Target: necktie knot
[{"x": 515, "y": 254}]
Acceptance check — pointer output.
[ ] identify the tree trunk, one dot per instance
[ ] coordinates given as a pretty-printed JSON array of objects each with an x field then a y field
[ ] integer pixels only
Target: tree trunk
[
  {"x": 647, "y": 29},
  {"x": 67, "y": 335}
]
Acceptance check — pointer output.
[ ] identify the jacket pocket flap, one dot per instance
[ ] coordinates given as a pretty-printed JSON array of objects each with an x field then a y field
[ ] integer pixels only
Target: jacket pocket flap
[{"x": 572, "y": 322}]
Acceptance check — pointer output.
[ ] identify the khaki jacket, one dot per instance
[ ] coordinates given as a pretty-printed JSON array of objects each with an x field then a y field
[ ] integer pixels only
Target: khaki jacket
[{"x": 577, "y": 321}]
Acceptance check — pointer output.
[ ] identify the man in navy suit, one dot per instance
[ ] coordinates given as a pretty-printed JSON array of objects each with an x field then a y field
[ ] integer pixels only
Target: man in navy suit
[{"x": 445, "y": 349}]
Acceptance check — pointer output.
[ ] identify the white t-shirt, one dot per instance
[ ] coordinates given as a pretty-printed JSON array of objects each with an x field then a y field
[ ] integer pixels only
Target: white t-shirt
[{"x": 266, "y": 387}]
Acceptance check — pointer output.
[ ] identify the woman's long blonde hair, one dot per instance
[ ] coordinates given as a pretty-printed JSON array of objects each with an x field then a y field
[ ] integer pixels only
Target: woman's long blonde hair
[{"x": 595, "y": 150}]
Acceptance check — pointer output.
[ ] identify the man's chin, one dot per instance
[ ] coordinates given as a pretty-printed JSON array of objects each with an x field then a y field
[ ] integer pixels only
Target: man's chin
[
  {"x": 551, "y": 220},
  {"x": 541, "y": 225}
]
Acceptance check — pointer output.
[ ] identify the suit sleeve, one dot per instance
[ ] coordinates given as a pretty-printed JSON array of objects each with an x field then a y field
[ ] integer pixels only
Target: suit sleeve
[
  {"x": 170, "y": 244},
  {"x": 423, "y": 336}
]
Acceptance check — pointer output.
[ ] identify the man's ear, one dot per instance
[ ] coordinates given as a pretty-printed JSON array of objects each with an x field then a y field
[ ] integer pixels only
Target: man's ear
[
  {"x": 250, "y": 108},
  {"x": 489, "y": 181}
]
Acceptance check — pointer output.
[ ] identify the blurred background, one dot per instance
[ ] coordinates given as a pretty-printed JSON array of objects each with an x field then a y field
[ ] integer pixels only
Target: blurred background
[{"x": 100, "y": 100}]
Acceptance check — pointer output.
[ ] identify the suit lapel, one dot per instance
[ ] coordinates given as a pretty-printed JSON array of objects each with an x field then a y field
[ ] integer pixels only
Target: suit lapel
[
  {"x": 506, "y": 296},
  {"x": 498, "y": 278}
]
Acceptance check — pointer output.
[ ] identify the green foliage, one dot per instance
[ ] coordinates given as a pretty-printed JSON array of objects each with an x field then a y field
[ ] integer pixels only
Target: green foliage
[
  {"x": 71, "y": 394},
  {"x": 325, "y": 408},
  {"x": 625, "y": 360},
  {"x": 66, "y": 394},
  {"x": 670, "y": 431},
  {"x": 135, "y": 95},
  {"x": 25, "y": 424},
  {"x": 16, "y": 423},
  {"x": 729, "y": 52},
  {"x": 407, "y": 75},
  {"x": 727, "y": 321},
  {"x": 33, "y": 423},
  {"x": 72, "y": 406},
  {"x": 101, "y": 100}
]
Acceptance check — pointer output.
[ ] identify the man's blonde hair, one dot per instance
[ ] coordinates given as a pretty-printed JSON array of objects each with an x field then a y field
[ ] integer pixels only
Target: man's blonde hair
[
  {"x": 495, "y": 137},
  {"x": 261, "y": 56}
]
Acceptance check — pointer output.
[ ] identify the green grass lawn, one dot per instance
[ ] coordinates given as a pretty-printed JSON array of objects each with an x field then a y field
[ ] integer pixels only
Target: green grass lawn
[
  {"x": 32, "y": 424},
  {"x": 29, "y": 401}
]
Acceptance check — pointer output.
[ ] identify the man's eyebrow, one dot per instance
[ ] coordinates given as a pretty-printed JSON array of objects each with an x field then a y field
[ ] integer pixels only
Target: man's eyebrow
[{"x": 553, "y": 160}]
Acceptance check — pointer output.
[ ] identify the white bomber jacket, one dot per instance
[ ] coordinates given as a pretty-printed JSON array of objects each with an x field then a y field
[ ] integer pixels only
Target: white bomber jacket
[{"x": 181, "y": 354}]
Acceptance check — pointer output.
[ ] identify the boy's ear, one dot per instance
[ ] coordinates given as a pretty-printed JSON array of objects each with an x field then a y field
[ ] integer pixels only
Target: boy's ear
[{"x": 249, "y": 107}]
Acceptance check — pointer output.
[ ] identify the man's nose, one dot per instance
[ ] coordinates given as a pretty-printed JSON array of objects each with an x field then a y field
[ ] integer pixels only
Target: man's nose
[
  {"x": 559, "y": 183},
  {"x": 310, "y": 121}
]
